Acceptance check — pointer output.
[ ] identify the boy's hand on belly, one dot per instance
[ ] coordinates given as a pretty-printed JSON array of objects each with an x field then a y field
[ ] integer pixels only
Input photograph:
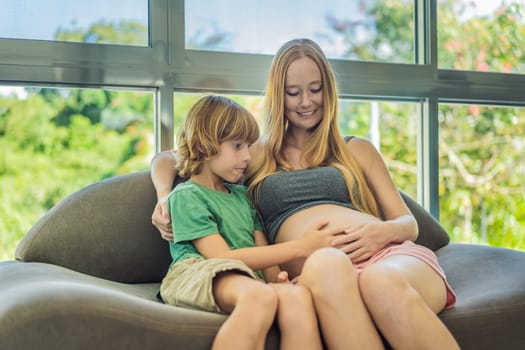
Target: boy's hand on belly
[{"x": 320, "y": 236}]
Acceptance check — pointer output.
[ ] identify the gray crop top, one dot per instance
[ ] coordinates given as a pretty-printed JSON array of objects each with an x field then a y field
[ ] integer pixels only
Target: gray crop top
[{"x": 287, "y": 192}]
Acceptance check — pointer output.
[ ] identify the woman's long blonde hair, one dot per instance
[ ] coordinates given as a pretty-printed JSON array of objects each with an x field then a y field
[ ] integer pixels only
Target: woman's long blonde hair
[
  {"x": 324, "y": 147},
  {"x": 212, "y": 120}
]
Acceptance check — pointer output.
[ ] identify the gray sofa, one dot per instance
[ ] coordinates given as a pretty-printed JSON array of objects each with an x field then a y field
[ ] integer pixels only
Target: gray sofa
[{"x": 86, "y": 276}]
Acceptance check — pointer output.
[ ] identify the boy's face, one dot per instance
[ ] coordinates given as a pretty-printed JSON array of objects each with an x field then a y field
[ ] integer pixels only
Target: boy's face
[{"x": 232, "y": 160}]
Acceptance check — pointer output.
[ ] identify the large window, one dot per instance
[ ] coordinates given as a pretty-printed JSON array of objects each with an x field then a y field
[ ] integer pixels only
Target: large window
[{"x": 92, "y": 89}]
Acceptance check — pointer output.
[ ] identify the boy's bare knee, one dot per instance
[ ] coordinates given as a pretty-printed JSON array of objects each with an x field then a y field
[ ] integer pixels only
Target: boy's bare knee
[
  {"x": 261, "y": 295},
  {"x": 296, "y": 308},
  {"x": 258, "y": 302},
  {"x": 294, "y": 295}
]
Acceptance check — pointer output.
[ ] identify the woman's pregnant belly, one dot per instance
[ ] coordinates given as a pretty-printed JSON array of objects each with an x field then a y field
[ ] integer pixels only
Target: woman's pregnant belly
[{"x": 297, "y": 224}]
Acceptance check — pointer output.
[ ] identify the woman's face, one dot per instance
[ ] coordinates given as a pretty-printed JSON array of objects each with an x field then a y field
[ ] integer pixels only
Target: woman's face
[{"x": 303, "y": 102}]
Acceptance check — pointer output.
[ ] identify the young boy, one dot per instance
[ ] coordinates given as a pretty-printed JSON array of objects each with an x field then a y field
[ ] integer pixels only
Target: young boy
[{"x": 219, "y": 248}]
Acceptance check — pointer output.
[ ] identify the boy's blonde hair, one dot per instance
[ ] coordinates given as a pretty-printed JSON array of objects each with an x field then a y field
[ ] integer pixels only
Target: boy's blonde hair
[
  {"x": 325, "y": 146},
  {"x": 211, "y": 121}
]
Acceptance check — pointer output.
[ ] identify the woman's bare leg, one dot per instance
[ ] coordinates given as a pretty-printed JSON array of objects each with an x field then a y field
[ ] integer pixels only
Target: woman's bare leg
[
  {"x": 403, "y": 295},
  {"x": 297, "y": 318},
  {"x": 252, "y": 306},
  {"x": 344, "y": 319}
]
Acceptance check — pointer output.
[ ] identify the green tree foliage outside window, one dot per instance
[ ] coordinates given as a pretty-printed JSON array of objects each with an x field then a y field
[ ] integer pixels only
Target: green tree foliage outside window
[{"x": 57, "y": 141}]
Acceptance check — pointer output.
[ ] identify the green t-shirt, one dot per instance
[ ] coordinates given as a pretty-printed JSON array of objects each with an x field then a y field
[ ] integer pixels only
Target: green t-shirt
[{"x": 198, "y": 211}]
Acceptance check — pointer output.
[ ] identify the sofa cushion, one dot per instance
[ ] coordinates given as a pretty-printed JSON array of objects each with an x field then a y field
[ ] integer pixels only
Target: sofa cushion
[
  {"x": 47, "y": 307},
  {"x": 103, "y": 230}
]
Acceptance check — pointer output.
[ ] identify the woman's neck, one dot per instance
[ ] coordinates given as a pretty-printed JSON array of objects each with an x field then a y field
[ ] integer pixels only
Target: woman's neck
[
  {"x": 294, "y": 148},
  {"x": 296, "y": 138}
]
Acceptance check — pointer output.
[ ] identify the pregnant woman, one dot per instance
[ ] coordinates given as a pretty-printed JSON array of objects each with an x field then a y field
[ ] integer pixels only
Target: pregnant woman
[{"x": 374, "y": 280}]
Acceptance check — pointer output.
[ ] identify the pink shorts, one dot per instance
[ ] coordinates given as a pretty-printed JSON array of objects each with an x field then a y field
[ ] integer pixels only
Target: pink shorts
[{"x": 418, "y": 251}]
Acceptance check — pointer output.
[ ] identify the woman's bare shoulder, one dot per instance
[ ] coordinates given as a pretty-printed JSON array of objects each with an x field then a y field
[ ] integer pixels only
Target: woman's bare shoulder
[
  {"x": 170, "y": 153},
  {"x": 164, "y": 157},
  {"x": 360, "y": 146}
]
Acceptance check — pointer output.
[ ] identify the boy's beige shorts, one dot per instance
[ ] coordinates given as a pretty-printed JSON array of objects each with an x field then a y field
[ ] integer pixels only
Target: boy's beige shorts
[{"x": 189, "y": 283}]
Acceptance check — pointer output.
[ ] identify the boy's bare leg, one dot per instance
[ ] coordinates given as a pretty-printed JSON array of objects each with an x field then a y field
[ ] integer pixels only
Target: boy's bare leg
[
  {"x": 252, "y": 307},
  {"x": 297, "y": 318}
]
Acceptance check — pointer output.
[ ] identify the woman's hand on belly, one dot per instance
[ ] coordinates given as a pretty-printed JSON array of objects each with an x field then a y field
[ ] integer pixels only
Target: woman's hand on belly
[{"x": 362, "y": 240}]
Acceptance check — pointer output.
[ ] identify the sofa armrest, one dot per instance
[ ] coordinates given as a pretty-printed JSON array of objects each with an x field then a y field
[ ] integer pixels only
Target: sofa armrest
[{"x": 431, "y": 234}]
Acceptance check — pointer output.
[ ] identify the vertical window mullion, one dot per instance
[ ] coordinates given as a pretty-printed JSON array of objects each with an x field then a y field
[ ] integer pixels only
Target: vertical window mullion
[
  {"x": 428, "y": 155},
  {"x": 164, "y": 130}
]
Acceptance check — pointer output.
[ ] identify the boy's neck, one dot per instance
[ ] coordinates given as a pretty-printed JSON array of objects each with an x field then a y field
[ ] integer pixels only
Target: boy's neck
[{"x": 212, "y": 182}]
